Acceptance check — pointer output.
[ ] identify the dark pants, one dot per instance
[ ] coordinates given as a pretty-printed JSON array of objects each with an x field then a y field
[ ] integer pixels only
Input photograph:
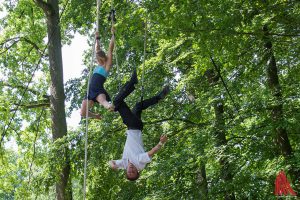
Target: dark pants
[{"x": 132, "y": 119}]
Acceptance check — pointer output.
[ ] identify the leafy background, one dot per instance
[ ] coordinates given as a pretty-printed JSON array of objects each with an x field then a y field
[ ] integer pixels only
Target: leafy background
[{"x": 219, "y": 116}]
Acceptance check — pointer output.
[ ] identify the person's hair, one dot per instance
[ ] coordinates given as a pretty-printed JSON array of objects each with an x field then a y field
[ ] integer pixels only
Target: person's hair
[
  {"x": 133, "y": 178},
  {"x": 100, "y": 54}
]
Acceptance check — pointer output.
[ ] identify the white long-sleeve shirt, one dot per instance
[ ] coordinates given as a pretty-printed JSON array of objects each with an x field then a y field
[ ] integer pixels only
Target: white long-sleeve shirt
[{"x": 133, "y": 151}]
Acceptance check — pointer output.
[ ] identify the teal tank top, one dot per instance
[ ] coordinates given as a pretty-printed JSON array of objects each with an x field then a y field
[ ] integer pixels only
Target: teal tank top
[{"x": 101, "y": 70}]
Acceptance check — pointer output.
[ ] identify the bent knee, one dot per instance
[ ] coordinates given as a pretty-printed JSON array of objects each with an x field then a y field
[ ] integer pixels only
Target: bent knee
[
  {"x": 82, "y": 112},
  {"x": 101, "y": 98}
]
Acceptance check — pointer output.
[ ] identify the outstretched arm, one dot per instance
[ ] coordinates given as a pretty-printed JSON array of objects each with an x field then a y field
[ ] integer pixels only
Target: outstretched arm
[
  {"x": 110, "y": 50},
  {"x": 113, "y": 165},
  {"x": 116, "y": 164},
  {"x": 154, "y": 150}
]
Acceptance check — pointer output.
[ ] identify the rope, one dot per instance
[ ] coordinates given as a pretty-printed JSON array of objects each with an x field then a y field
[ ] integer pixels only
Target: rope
[
  {"x": 223, "y": 82},
  {"x": 87, "y": 105},
  {"x": 117, "y": 63},
  {"x": 98, "y": 13},
  {"x": 112, "y": 6},
  {"x": 112, "y": 17},
  {"x": 144, "y": 59}
]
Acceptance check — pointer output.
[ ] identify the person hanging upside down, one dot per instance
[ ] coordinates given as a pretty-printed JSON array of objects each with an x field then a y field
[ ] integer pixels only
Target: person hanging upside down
[
  {"x": 134, "y": 157},
  {"x": 97, "y": 93}
]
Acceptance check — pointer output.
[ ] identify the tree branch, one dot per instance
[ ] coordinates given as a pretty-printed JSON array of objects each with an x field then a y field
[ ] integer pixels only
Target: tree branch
[
  {"x": 47, "y": 8},
  {"x": 10, "y": 46},
  {"x": 35, "y": 104},
  {"x": 15, "y": 41},
  {"x": 8, "y": 40},
  {"x": 34, "y": 145},
  {"x": 23, "y": 87},
  {"x": 35, "y": 46},
  {"x": 177, "y": 119},
  {"x": 230, "y": 32},
  {"x": 223, "y": 82}
]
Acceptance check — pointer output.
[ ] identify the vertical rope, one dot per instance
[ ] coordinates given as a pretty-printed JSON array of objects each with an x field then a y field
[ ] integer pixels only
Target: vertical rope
[
  {"x": 117, "y": 63},
  {"x": 112, "y": 4},
  {"x": 87, "y": 105},
  {"x": 98, "y": 13},
  {"x": 112, "y": 18},
  {"x": 144, "y": 59}
]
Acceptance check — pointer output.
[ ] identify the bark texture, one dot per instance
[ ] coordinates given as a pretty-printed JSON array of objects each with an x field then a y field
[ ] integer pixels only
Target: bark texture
[
  {"x": 281, "y": 138},
  {"x": 220, "y": 137},
  {"x": 57, "y": 96}
]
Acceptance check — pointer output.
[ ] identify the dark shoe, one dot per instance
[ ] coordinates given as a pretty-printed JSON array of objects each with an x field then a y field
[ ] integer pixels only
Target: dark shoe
[
  {"x": 163, "y": 93},
  {"x": 134, "y": 79},
  {"x": 125, "y": 90},
  {"x": 123, "y": 93}
]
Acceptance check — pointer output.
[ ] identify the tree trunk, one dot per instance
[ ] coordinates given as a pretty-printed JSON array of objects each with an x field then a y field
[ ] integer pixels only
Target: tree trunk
[
  {"x": 202, "y": 182},
  {"x": 220, "y": 137},
  {"x": 57, "y": 96},
  {"x": 281, "y": 136},
  {"x": 201, "y": 189},
  {"x": 221, "y": 141}
]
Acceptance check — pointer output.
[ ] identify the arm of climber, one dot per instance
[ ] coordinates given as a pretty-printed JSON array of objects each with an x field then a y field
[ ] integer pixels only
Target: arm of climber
[
  {"x": 155, "y": 149},
  {"x": 110, "y": 50},
  {"x": 97, "y": 37},
  {"x": 116, "y": 164}
]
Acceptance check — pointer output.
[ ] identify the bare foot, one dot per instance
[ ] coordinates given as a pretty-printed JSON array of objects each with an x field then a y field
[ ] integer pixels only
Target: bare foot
[
  {"x": 111, "y": 108},
  {"x": 97, "y": 116}
]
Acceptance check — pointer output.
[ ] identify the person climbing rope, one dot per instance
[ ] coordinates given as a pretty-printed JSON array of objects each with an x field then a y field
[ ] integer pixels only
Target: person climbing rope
[
  {"x": 134, "y": 157},
  {"x": 97, "y": 93}
]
